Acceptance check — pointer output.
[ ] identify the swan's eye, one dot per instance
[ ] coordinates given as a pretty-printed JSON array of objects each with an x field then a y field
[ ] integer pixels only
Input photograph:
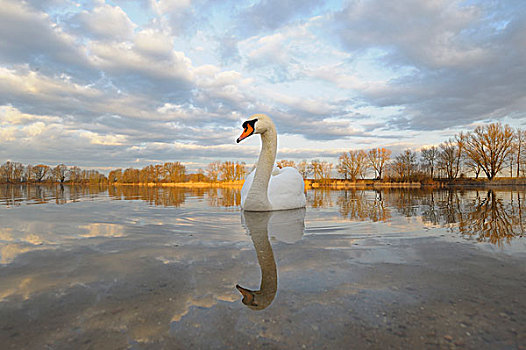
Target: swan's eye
[{"x": 250, "y": 122}]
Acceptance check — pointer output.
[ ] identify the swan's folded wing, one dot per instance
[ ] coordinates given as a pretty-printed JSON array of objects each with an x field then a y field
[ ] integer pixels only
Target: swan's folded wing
[{"x": 286, "y": 190}]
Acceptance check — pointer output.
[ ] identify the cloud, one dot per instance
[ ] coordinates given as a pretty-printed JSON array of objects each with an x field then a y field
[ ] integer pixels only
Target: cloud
[
  {"x": 103, "y": 22},
  {"x": 109, "y": 140},
  {"x": 154, "y": 44},
  {"x": 35, "y": 39},
  {"x": 456, "y": 51},
  {"x": 268, "y": 15},
  {"x": 162, "y": 80},
  {"x": 432, "y": 36},
  {"x": 12, "y": 116}
]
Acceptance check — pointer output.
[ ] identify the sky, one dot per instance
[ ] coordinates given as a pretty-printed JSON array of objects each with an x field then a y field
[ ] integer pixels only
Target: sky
[{"x": 127, "y": 83}]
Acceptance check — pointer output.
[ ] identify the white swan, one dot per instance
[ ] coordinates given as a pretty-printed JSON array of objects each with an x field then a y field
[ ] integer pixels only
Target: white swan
[{"x": 266, "y": 188}]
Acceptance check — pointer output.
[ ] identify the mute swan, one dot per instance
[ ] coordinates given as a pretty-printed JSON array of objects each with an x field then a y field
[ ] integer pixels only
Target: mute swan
[{"x": 265, "y": 188}]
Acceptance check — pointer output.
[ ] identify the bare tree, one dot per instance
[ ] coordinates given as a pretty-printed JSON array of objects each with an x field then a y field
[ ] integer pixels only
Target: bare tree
[
  {"x": 404, "y": 165},
  {"x": 512, "y": 157},
  {"x": 378, "y": 157},
  {"x": 449, "y": 158},
  {"x": 353, "y": 164},
  {"x": 198, "y": 176},
  {"x": 174, "y": 172},
  {"x": 321, "y": 170},
  {"x": 29, "y": 173},
  {"x": 316, "y": 169},
  {"x": 472, "y": 166},
  {"x": 488, "y": 146},
  {"x": 343, "y": 165},
  {"x": 40, "y": 171},
  {"x": 429, "y": 159},
  {"x": 18, "y": 172},
  {"x": 227, "y": 171},
  {"x": 129, "y": 175},
  {"x": 240, "y": 171},
  {"x": 59, "y": 173},
  {"x": 115, "y": 176},
  {"x": 6, "y": 172},
  {"x": 286, "y": 163},
  {"x": 519, "y": 141},
  {"x": 326, "y": 170},
  {"x": 230, "y": 171},
  {"x": 75, "y": 174},
  {"x": 212, "y": 171},
  {"x": 303, "y": 168}
]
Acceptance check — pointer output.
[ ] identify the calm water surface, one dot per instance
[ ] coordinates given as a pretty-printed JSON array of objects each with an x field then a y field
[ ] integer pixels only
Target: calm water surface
[{"x": 148, "y": 268}]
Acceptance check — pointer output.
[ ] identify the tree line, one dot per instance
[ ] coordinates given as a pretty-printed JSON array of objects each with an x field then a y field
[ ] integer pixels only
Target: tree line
[
  {"x": 488, "y": 150},
  {"x": 14, "y": 172},
  {"x": 169, "y": 172}
]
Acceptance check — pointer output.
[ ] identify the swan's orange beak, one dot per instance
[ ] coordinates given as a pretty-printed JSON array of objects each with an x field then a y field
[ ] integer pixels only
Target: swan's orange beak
[
  {"x": 249, "y": 130},
  {"x": 248, "y": 296}
]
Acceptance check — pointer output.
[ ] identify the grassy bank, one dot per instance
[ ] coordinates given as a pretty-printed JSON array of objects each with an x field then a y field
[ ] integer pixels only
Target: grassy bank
[
  {"x": 220, "y": 184},
  {"x": 361, "y": 184},
  {"x": 337, "y": 184}
]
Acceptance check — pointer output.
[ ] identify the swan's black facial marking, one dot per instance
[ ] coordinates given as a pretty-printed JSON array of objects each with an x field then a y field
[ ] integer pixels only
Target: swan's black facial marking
[
  {"x": 250, "y": 122},
  {"x": 248, "y": 129}
]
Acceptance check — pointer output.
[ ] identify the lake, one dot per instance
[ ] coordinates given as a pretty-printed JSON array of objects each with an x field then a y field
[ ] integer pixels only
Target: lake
[{"x": 151, "y": 267}]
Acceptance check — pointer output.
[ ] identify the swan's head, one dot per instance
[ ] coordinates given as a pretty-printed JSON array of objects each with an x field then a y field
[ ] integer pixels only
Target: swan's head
[
  {"x": 256, "y": 300},
  {"x": 256, "y": 124}
]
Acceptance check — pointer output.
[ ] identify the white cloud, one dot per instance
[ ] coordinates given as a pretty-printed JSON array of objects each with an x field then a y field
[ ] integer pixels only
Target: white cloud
[
  {"x": 34, "y": 129},
  {"x": 8, "y": 133},
  {"x": 154, "y": 43},
  {"x": 34, "y": 37},
  {"x": 105, "y": 22},
  {"x": 23, "y": 81},
  {"x": 12, "y": 116},
  {"x": 164, "y": 6},
  {"x": 356, "y": 75},
  {"x": 106, "y": 140},
  {"x": 433, "y": 35},
  {"x": 123, "y": 58}
]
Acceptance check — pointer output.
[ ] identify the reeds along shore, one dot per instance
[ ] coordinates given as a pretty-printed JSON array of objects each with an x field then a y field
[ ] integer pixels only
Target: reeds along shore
[
  {"x": 344, "y": 184},
  {"x": 327, "y": 184},
  {"x": 233, "y": 184},
  {"x": 436, "y": 183}
]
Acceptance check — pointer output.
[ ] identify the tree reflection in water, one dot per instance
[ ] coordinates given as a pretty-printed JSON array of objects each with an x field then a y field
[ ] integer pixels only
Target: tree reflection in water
[
  {"x": 223, "y": 197},
  {"x": 13, "y": 195},
  {"x": 16, "y": 194},
  {"x": 493, "y": 220},
  {"x": 159, "y": 196},
  {"x": 320, "y": 198},
  {"x": 484, "y": 215},
  {"x": 493, "y": 216},
  {"x": 360, "y": 206}
]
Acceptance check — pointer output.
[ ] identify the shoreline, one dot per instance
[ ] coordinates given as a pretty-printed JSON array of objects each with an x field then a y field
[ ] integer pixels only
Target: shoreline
[{"x": 315, "y": 184}]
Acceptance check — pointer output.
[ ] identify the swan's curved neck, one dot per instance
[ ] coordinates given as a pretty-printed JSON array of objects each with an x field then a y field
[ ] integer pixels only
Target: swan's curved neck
[
  {"x": 257, "y": 226},
  {"x": 257, "y": 198},
  {"x": 267, "y": 264}
]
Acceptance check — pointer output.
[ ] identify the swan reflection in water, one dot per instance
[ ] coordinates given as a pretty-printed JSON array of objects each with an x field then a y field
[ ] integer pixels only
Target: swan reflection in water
[{"x": 284, "y": 225}]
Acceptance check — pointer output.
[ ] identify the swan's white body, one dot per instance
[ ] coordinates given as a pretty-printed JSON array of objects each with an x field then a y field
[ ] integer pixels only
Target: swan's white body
[
  {"x": 266, "y": 188},
  {"x": 285, "y": 189}
]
